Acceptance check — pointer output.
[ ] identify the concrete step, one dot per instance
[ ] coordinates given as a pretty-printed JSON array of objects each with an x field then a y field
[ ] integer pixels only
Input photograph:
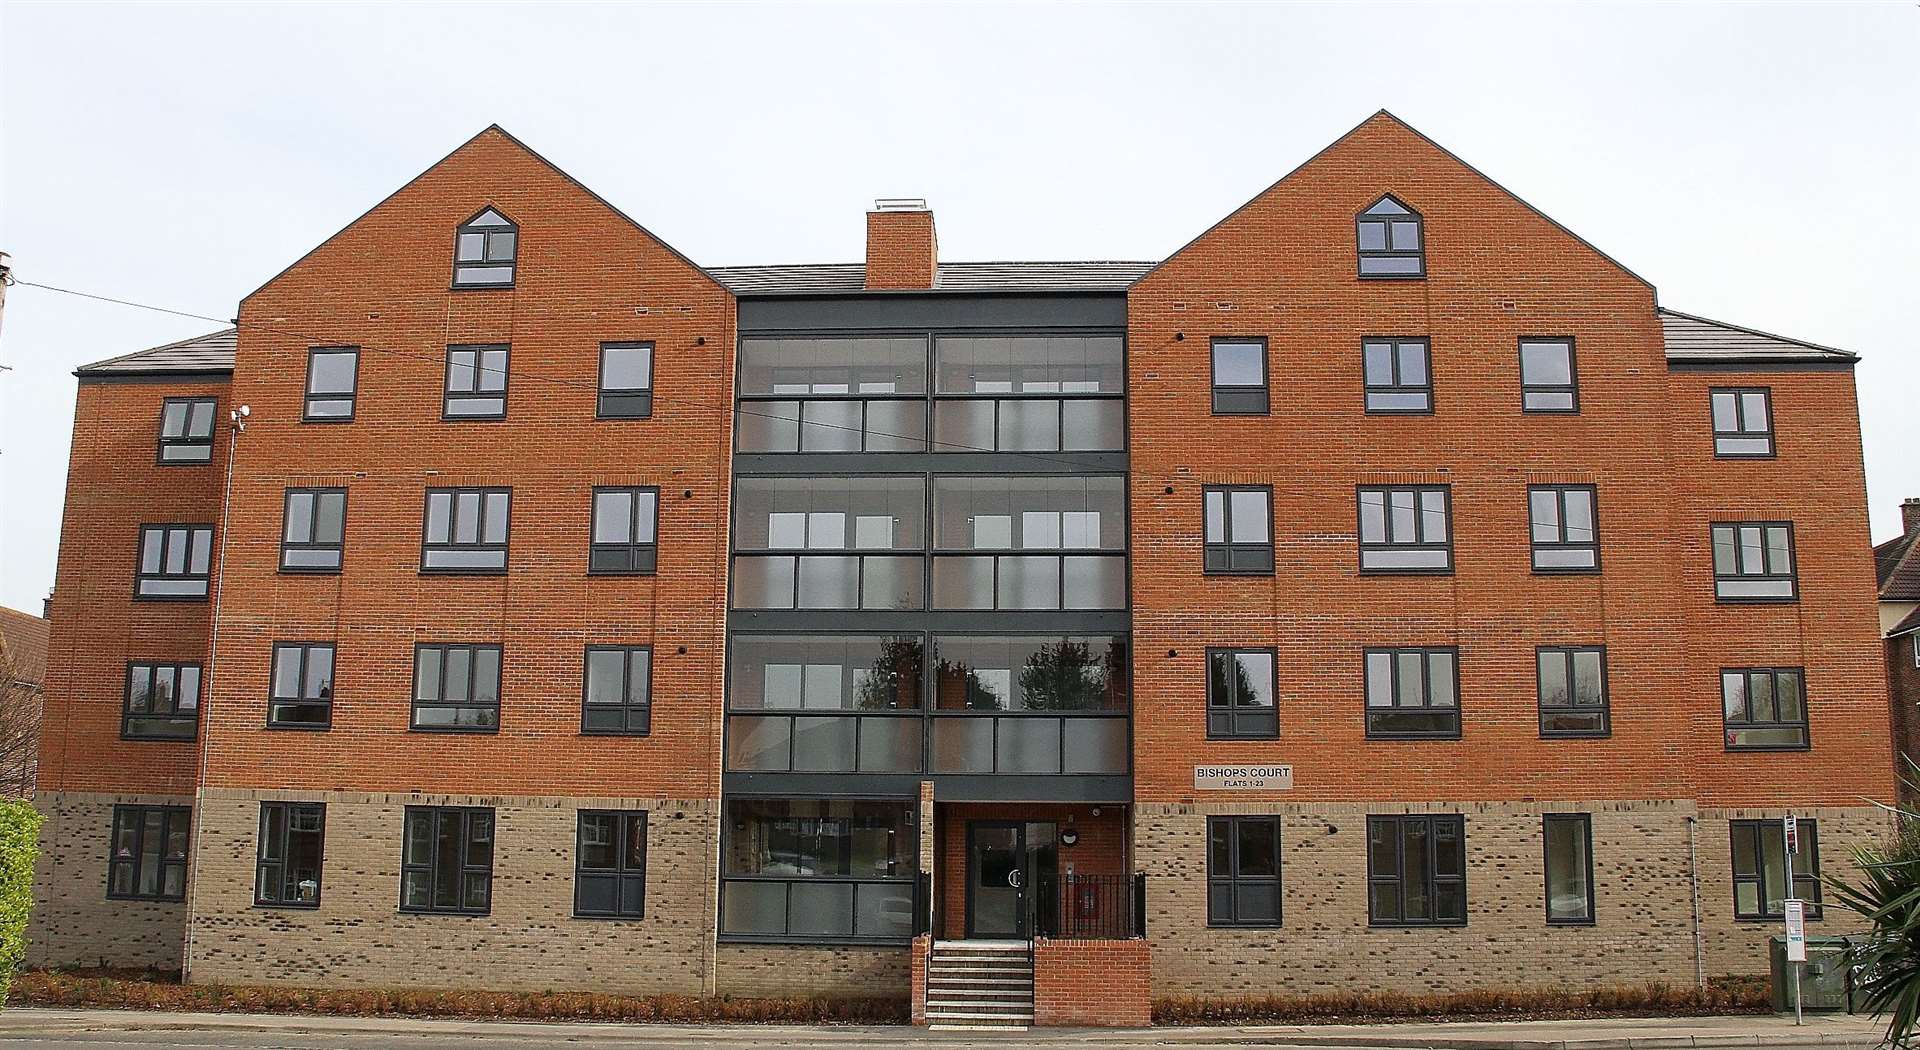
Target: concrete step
[
  {"x": 974, "y": 1026},
  {"x": 964, "y": 1016},
  {"x": 942, "y": 980},
  {"x": 994, "y": 1006}
]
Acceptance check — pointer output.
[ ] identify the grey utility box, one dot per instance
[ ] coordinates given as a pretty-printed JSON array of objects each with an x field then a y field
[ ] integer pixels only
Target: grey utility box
[{"x": 1827, "y": 984}]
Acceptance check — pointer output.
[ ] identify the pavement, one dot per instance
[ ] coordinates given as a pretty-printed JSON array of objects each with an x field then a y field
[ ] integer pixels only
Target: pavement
[{"x": 43, "y": 1029}]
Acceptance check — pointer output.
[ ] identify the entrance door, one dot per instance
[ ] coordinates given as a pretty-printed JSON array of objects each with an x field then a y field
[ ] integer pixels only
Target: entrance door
[{"x": 1012, "y": 877}]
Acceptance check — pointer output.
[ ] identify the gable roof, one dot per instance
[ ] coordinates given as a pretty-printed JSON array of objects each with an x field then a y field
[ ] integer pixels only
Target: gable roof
[
  {"x": 210, "y": 354},
  {"x": 1693, "y": 338},
  {"x": 1444, "y": 151},
  {"x": 1906, "y": 626},
  {"x": 959, "y": 277},
  {"x": 1896, "y": 566},
  {"x": 23, "y": 645}
]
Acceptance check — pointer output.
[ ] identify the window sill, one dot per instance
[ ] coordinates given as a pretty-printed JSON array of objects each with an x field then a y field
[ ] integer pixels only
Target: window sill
[
  {"x": 794, "y": 941},
  {"x": 292, "y": 570},
  {"x": 1765, "y": 748},
  {"x": 1811, "y": 917},
  {"x": 451, "y": 913},
  {"x": 1594, "y": 571},
  {"x": 149, "y": 738},
  {"x": 456, "y": 730},
  {"x": 326, "y": 419},
  {"x": 279, "y": 906},
  {"x": 1237, "y": 572},
  {"x": 508, "y": 287},
  {"x": 1448, "y": 571},
  {"x": 616, "y": 732},
  {"x": 300, "y": 727},
  {"x": 1573, "y": 922},
  {"x": 145, "y": 900},
  {"x": 426, "y": 571},
  {"x": 1454, "y": 735},
  {"x": 1243, "y": 925},
  {"x": 1719, "y": 599},
  {"x": 1450, "y": 924},
  {"x": 1275, "y": 735},
  {"x": 1399, "y": 412},
  {"x": 623, "y": 572},
  {"x": 1391, "y": 276},
  {"x": 604, "y": 918},
  {"x": 174, "y": 598},
  {"x": 184, "y": 462},
  {"x": 1591, "y": 735}
]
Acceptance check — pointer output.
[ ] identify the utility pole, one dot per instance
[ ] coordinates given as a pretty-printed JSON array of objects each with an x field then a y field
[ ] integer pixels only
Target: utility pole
[{"x": 6, "y": 278}]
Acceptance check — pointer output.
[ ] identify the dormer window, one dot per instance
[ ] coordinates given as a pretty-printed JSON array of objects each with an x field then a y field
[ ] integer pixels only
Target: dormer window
[
  {"x": 1391, "y": 241},
  {"x": 484, "y": 250}
]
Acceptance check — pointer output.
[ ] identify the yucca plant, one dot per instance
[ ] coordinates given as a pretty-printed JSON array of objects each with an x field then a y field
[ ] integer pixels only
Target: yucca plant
[{"x": 1886, "y": 964}]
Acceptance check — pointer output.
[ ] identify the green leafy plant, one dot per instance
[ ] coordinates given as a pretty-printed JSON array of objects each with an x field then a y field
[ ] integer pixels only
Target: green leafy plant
[
  {"x": 19, "y": 846},
  {"x": 1886, "y": 964}
]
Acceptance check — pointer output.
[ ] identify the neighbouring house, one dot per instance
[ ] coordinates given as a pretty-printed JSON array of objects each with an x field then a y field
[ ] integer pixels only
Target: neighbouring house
[
  {"x": 1897, "y": 563},
  {"x": 1382, "y": 591},
  {"x": 23, "y": 675}
]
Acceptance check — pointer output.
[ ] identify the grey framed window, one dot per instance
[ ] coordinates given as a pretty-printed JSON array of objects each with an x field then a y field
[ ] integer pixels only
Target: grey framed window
[
  {"x": 839, "y": 542},
  {"x": 175, "y": 563},
  {"x": 476, "y": 382},
  {"x": 313, "y": 530},
  {"x": 1029, "y": 542},
  {"x": 625, "y": 521},
  {"x": 162, "y": 702},
  {"x": 832, "y": 394},
  {"x": 1753, "y": 562},
  {"x": 446, "y": 860},
  {"x": 1413, "y": 693},
  {"x": 626, "y": 381},
  {"x": 186, "y": 430},
  {"x": 1029, "y": 393},
  {"x": 1391, "y": 240},
  {"x": 1564, "y": 525},
  {"x": 1406, "y": 529},
  {"x": 1742, "y": 422},
  {"x": 1241, "y": 689},
  {"x": 466, "y": 530},
  {"x": 1417, "y": 870},
  {"x": 618, "y": 697},
  {"x": 300, "y": 695},
  {"x": 333, "y": 378},
  {"x": 815, "y": 703},
  {"x": 1243, "y": 871},
  {"x": 1239, "y": 530},
  {"x": 1572, "y": 686},
  {"x": 485, "y": 249},
  {"x": 805, "y": 870},
  {"x": 1549, "y": 380},
  {"x": 292, "y": 845},
  {"x": 1764, "y": 708},
  {"x": 148, "y": 853},
  {"x": 1760, "y": 884},
  {"x": 456, "y": 688},
  {"x": 1398, "y": 375},
  {"x": 1240, "y": 376},
  {"x": 1568, "y": 847},
  {"x": 1029, "y": 704},
  {"x": 610, "y": 865}
]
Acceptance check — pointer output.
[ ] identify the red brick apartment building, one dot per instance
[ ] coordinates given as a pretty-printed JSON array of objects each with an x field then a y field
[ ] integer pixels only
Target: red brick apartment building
[{"x": 511, "y": 602}]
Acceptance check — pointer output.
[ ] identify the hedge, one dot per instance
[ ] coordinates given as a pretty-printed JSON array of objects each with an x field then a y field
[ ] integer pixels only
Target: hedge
[{"x": 19, "y": 846}]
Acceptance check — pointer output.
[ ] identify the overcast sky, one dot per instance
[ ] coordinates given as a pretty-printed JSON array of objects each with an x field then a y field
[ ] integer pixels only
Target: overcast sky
[{"x": 1757, "y": 163}]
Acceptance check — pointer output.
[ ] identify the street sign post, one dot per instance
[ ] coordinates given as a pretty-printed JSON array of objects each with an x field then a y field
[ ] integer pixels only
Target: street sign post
[{"x": 1796, "y": 912}]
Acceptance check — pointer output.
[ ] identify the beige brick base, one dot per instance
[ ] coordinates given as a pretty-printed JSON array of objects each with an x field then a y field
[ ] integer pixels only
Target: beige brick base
[
  {"x": 852, "y": 972},
  {"x": 73, "y": 922},
  {"x": 529, "y": 942},
  {"x": 1643, "y": 902}
]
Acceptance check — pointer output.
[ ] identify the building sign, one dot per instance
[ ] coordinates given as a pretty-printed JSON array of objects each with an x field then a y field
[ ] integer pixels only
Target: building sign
[
  {"x": 1243, "y": 778},
  {"x": 1796, "y": 931}
]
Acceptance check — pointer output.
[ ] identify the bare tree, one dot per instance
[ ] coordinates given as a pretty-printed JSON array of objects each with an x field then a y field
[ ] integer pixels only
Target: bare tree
[{"x": 19, "y": 732}]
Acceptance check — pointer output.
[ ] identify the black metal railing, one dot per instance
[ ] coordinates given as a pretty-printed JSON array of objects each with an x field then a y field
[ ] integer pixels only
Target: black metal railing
[{"x": 1089, "y": 907}]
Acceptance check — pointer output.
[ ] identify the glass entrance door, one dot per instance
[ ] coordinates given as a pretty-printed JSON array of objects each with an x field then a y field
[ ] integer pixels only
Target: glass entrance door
[{"x": 1012, "y": 877}]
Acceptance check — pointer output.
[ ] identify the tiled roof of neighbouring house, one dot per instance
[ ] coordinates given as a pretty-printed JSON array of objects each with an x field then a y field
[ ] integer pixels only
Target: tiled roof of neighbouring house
[
  {"x": 1897, "y": 564},
  {"x": 23, "y": 644}
]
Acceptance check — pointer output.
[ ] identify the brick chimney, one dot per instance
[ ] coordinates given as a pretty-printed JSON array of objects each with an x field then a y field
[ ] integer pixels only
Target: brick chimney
[
  {"x": 901, "y": 249},
  {"x": 1910, "y": 516}
]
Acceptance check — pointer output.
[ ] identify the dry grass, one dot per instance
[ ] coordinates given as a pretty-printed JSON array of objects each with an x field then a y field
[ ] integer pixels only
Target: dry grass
[
  {"x": 152, "y": 990},
  {"x": 1726, "y": 995}
]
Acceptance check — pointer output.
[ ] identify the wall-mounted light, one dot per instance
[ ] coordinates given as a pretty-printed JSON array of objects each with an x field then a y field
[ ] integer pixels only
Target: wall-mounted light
[{"x": 1069, "y": 837}]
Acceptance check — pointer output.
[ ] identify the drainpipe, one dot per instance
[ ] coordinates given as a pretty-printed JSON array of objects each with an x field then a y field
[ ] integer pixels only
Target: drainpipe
[{"x": 1693, "y": 878}]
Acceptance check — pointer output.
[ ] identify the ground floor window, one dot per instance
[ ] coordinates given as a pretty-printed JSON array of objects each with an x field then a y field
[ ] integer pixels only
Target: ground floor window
[
  {"x": 149, "y": 853},
  {"x": 610, "y": 865},
  {"x": 292, "y": 835},
  {"x": 1417, "y": 870},
  {"x": 1569, "y": 858},
  {"x": 1243, "y": 871},
  {"x": 1759, "y": 879},
  {"x": 818, "y": 870},
  {"x": 447, "y": 862}
]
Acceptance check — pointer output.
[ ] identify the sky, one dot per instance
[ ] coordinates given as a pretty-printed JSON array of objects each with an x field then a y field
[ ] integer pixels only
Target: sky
[{"x": 1755, "y": 162}]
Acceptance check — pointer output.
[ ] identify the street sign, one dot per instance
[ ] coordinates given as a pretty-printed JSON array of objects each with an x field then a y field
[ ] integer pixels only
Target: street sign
[
  {"x": 1793, "y": 833},
  {"x": 1243, "y": 778},
  {"x": 1796, "y": 930}
]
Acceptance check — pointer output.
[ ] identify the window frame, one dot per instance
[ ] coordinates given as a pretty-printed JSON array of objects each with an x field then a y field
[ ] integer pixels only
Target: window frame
[
  {"x": 1809, "y": 832},
  {"x": 1368, "y": 388},
  {"x": 448, "y": 395},
  {"x": 1738, "y": 393},
  {"x": 1360, "y": 493},
  {"x": 628, "y": 709},
  {"x": 313, "y": 518},
  {"x": 351, "y": 397},
  {"x": 136, "y": 814},
  {"x": 127, "y": 714},
  {"x": 1265, "y": 386},
  {"x": 602, "y": 393},
  {"x": 1568, "y": 653},
  {"x": 1791, "y": 576},
  {"x": 414, "y": 703},
  {"x": 1571, "y": 387},
  {"x": 1230, "y": 547},
  {"x": 643, "y": 558},
  {"x": 1394, "y": 653},
  {"x": 306, "y": 656},
  {"x": 453, "y": 494},
  {"x": 1536, "y": 546},
  {"x": 262, "y": 863},
  {"x": 1363, "y": 254},
  {"x": 620, "y": 873},
  {"x": 186, "y": 438},
  {"x": 1431, "y": 879},
  {"x": 1235, "y": 712},
  {"x": 166, "y": 530},
  {"x": 431, "y": 865},
  {"x": 1234, "y": 880},
  {"x": 1773, "y": 673},
  {"x": 1584, "y": 821},
  {"x": 486, "y": 232}
]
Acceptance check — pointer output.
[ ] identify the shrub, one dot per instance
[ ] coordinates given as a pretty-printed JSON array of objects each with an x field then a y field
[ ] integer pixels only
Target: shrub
[
  {"x": 19, "y": 846},
  {"x": 1723, "y": 995}
]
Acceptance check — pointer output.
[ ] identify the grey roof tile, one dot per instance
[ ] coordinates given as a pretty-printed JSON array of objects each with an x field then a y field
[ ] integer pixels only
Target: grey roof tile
[
  {"x": 212, "y": 352},
  {"x": 845, "y": 278},
  {"x": 1693, "y": 338}
]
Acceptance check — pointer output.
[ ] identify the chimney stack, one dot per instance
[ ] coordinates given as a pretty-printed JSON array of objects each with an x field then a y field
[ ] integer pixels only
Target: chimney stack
[
  {"x": 902, "y": 252},
  {"x": 1910, "y": 516}
]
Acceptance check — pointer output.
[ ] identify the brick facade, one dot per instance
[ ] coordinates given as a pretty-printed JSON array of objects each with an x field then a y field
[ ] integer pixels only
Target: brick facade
[{"x": 1092, "y": 984}]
